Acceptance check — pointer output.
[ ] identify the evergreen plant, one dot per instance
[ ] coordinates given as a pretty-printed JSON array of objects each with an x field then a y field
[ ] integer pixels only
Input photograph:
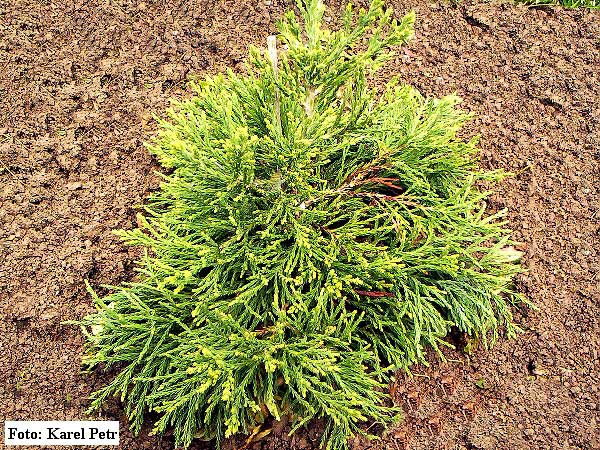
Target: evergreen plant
[{"x": 312, "y": 235}]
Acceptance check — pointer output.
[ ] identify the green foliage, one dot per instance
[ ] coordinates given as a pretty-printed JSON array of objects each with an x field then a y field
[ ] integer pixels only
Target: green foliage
[{"x": 312, "y": 236}]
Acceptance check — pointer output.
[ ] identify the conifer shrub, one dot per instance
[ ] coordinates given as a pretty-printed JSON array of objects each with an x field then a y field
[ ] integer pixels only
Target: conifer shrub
[{"x": 312, "y": 235}]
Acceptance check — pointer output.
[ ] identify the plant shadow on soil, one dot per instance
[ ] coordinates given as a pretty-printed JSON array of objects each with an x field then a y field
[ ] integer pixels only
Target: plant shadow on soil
[{"x": 79, "y": 81}]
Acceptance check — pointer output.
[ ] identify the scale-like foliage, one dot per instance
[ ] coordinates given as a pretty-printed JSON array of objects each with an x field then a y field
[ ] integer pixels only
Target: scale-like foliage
[{"x": 312, "y": 236}]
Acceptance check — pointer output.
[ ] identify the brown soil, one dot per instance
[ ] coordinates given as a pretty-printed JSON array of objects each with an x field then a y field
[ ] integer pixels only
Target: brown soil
[{"x": 78, "y": 81}]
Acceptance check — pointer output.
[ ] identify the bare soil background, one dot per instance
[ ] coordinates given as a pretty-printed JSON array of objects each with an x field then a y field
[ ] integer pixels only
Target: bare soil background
[{"x": 78, "y": 83}]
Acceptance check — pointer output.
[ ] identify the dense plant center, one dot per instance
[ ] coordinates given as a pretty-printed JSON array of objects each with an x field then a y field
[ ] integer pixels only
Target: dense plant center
[{"x": 313, "y": 236}]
